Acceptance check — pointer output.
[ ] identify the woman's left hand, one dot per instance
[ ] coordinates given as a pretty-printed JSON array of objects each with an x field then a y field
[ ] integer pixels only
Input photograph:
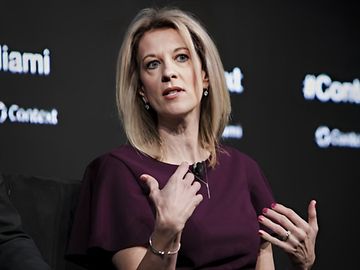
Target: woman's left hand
[{"x": 294, "y": 235}]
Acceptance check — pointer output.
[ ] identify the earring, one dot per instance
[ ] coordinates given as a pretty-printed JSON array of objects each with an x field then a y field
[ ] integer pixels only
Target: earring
[
  {"x": 146, "y": 104},
  {"x": 206, "y": 92}
]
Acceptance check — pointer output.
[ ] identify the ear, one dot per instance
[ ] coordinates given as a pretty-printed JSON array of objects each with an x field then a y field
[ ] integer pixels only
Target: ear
[{"x": 205, "y": 79}]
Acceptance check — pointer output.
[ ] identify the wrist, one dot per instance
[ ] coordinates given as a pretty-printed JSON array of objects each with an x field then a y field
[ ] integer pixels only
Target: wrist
[
  {"x": 161, "y": 244},
  {"x": 162, "y": 252},
  {"x": 304, "y": 264},
  {"x": 169, "y": 226},
  {"x": 167, "y": 229}
]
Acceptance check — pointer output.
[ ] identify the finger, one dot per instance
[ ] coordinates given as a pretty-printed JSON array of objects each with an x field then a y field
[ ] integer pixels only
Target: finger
[
  {"x": 312, "y": 218},
  {"x": 275, "y": 241},
  {"x": 180, "y": 172},
  {"x": 189, "y": 178},
  {"x": 290, "y": 234},
  {"x": 279, "y": 230},
  {"x": 191, "y": 206},
  {"x": 196, "y": 201},
  {"x": 195, "y": 187},
  {"x": 151, "y": 183},
  {"x": 290, "y": 214},
  {"x": 280, "y": 219}
]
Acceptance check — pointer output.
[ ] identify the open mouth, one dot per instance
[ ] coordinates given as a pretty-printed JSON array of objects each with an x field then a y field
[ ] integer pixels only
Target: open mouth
[{"x": 172, "y": 91}]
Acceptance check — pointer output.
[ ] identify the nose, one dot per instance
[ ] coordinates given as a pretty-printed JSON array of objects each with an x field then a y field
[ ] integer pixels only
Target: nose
[{"x": 169, "y": 72}]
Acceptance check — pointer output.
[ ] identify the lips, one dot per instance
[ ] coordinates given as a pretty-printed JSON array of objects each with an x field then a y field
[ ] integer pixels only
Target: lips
[{"x": 172, "y": 91}]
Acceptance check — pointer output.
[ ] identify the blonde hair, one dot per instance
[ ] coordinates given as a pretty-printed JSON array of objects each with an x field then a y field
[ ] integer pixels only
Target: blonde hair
[{"x": 140, "y": 125}]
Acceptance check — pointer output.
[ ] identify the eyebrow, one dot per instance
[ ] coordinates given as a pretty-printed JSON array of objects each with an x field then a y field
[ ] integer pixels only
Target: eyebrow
[{"x": 175, "y": 50}]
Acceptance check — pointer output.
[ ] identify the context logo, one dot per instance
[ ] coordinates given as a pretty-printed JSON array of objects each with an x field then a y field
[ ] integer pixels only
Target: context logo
[
  {"x": 324, "y": 138},
  {"x": 325, "y": 90},
  {"x": 233, "y": 80},
  {"x": 233, "y": 132},
  {"x": 16, "y": 114},
  {"x": 24, "y": 62}
]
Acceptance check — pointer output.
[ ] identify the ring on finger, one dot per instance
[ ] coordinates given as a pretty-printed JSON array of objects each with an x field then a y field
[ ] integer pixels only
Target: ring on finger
[{"x": 286, "y": 237}]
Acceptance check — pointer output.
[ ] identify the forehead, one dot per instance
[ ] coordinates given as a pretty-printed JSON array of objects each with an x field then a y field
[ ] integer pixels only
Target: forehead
[{"x": 158, "y": 40}]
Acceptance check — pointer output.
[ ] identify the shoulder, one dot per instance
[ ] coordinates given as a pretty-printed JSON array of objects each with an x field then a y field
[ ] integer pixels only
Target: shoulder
[
  {"x": 121, "y": 165},
  {"x": 239, "y": 163},
  {"x": 113, "y": 158},
  {"x": 231, "y": 154}
]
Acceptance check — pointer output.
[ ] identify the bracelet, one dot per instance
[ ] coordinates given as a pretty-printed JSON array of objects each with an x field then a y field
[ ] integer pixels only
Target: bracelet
[{"x": 162, "y": 252}]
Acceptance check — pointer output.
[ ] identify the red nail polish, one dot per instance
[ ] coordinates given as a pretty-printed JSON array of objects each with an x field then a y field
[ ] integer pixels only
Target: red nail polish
[
  {"x": 260, "y": 233},
  {"x": 265, "y": 210},
  {"x": 273, "y": 205},
  {"x": 260, "y": 218}
]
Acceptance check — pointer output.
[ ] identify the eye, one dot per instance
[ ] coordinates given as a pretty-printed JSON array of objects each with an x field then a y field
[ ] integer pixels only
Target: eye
[
  {"x": 152, "y": 64},
  {"x": 182, "y": 57}
]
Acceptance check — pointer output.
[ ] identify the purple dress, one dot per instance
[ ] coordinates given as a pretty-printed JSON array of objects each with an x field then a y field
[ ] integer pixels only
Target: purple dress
[{"x": 114, "y": 211}]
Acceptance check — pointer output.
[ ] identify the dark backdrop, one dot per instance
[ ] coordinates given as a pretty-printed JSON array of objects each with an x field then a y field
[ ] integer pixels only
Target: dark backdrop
[{"x": 275, "y": 44}]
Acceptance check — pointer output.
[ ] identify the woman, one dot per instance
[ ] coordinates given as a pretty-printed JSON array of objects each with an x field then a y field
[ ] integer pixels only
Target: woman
[{"x": 174, "y": 197}]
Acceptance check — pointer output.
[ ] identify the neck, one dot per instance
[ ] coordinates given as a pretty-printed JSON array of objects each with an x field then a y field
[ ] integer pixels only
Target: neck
[{"x": 180, "y": 142}]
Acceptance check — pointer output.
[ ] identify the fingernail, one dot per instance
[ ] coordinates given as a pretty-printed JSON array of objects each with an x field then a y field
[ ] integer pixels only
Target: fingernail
[
  {"x": 260, "y": 218},
  {"x": 273, "y": 205},
  {"x": 260, "y": 233},
  {"x": 265, "y": 210}
]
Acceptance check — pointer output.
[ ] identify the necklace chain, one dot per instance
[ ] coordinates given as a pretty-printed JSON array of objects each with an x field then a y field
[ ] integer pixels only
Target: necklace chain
[{"x": 206, "y": 183}]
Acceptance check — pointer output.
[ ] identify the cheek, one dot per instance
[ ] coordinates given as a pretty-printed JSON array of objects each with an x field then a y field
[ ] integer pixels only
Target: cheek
[
  {"x": 150, "y": 89},
  {"x": 196, "y": 83},
  {"x": 147, "y": 83},
  {"x": 149, "y": 79},
  {"x": 142, "y": 78}
]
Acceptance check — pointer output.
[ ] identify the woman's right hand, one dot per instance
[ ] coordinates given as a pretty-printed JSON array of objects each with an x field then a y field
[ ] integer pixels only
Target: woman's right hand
[{"x": 174, "y": 203}]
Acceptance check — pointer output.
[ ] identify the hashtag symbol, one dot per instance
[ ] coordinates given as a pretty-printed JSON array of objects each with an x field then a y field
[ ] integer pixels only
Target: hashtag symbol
[{"x": 309, "y": 88}]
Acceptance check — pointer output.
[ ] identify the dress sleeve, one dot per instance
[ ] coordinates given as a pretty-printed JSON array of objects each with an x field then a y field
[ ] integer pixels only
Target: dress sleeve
[
  {"x": 113, "y": 213},
  {"x": 260, "y": 190}
]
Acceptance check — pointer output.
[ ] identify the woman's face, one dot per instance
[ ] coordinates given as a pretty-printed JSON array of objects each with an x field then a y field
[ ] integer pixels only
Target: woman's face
[{"x": 167, "y": 73}]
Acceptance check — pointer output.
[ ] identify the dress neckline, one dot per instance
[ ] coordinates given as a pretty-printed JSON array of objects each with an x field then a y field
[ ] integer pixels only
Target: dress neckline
[{"x": 172, "y": 165}]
